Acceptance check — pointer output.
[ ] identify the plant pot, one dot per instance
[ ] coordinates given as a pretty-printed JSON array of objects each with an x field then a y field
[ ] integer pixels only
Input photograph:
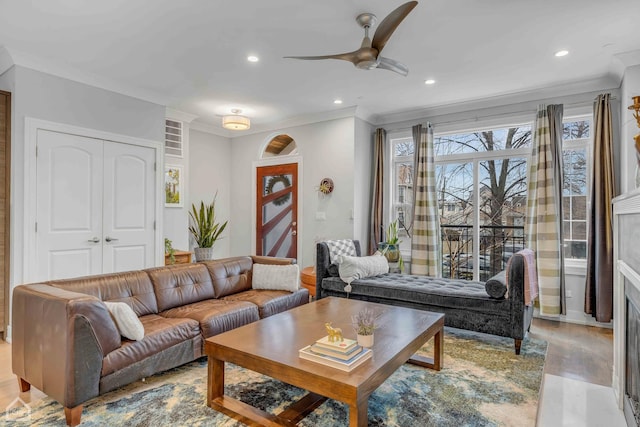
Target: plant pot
[
  {"x": 203, "y": 254},
  {"x": 365, "y": 340},
  {"x": 391, "y": 252}
]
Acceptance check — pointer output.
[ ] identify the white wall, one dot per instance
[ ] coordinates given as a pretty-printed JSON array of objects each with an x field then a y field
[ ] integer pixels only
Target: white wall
[
  {"x": 46, "y": 97},
  {"x": 630, "y": 87},
  {"x": 327, "y": 150},
  {"x": 210, "y": 172},
  {"x": 363, "y": 180}
]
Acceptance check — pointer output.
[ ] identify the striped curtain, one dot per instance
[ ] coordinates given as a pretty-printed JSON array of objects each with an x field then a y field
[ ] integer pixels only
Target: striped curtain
[
  {"x": 544, "y": 208},
  {"x": 377, "y": 200},
  {"x": 425, "y": 241},
  {"x": 598, "y": 300}
]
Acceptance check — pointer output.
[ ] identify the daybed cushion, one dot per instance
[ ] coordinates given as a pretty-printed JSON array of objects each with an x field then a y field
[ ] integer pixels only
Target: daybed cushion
[
  {"x": 275, "y": 277},
  {"x": 126, "y": 320},
  {"x": 496, "y": 286},
  {"x": 270, "y": 302},
  {"x": 352, "y": 267},
  {"x": 216, "y": 316},
  {"x": 422, "y": 290},
  {"x": 160, "y": 334}
]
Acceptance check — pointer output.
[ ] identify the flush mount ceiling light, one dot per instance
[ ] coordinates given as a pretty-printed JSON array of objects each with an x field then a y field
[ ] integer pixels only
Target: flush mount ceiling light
[
  {"x": 253, "y": 58},
  {"x": 561, "y": 53},
  {"x": 235, "y": 121},
  {"x": 429, "y": 81},
  {"x": 337, "y": 101}
]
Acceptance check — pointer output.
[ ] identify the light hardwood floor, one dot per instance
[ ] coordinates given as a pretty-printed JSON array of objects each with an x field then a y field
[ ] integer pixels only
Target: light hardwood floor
[{"x": 583, "y": 353}]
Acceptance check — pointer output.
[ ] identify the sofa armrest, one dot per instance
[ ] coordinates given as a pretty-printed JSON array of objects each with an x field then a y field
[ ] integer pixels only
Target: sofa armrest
[
  {"x": 323, "y": 261},
  {"x": 520, "y": 314},
  {"x": 59, "y": 339}
]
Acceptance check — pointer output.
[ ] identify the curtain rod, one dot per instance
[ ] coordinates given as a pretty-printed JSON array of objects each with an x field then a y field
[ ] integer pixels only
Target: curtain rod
[{"x": 489, "y": 116}]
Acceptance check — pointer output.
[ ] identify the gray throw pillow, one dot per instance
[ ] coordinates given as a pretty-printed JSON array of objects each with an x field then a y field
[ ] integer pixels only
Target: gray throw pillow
[{"x": 496, "y": 286}]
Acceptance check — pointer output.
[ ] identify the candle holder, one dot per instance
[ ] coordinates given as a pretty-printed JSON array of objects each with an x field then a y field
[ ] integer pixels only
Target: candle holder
[{"x": 635, "y": 107}]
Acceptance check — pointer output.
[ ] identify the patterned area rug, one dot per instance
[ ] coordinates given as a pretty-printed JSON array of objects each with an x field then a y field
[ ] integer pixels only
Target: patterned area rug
[{"x": 483, "y": 383}]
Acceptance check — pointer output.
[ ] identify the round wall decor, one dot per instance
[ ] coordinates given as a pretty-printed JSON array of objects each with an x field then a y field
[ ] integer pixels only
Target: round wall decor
[{"x": 326, "y": 186}]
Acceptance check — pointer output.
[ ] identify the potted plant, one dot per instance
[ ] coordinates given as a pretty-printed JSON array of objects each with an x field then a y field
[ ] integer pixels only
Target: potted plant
[
  {"x": 204, "y": 229},
  {"x": 391, "y": 247},
  {"x": 364, "y": 324},
  {"x": 169, "y": 252}
]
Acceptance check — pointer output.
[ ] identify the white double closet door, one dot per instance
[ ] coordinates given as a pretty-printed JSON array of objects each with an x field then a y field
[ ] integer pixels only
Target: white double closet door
[{"x": 95, "y": 206}]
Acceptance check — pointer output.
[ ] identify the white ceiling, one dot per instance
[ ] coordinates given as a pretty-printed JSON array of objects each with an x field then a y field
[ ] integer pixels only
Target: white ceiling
[{"x": 191, "y": 55}]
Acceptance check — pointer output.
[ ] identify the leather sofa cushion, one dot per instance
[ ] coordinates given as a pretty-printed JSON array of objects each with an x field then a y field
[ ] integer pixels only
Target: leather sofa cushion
[
  {"x": 272, "y": 302},
  {"x": 132, "y": 287},
  {"x": 160, "y": 333},
  {"x": 231, "y": 275},
  {"x": 216, "y": 316},
  {"x": 180, "y": 284}
]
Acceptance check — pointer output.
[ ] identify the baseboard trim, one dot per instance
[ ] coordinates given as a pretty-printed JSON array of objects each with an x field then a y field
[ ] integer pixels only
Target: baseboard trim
[{"x": 575, "y": 317}]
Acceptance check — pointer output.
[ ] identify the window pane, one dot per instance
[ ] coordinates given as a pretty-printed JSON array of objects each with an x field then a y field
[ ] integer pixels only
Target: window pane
[
  {"x": 489, "y": 140},
  {"x": 566, "y": 207},
  {"x": 403, "y": 147},
  {"x": 579, "y": 207},
  {"x": 566, "y": 230},
  {"x": 575, "y": 171},
  {"x": 579, "y": 230},
  {"x": 455, "y": 200},
  {"x": 503, "y": 204},
  {"x": 576, "y": 130}
]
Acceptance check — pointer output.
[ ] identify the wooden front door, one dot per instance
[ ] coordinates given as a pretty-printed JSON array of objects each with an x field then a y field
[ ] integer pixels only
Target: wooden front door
[{"x": 277, "y": 210}]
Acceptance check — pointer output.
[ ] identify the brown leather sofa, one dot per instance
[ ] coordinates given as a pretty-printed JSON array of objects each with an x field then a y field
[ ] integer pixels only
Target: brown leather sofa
[{"x": 65, "y": 343}]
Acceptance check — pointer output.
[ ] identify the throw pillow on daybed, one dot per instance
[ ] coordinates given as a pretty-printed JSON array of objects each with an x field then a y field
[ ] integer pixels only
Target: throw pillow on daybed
[
  {"x": 275, "y": 277},
  {"x": 126, "y": 320},
  {"x": 353, "y": 268},
  {"x": 496, "y": 286}
]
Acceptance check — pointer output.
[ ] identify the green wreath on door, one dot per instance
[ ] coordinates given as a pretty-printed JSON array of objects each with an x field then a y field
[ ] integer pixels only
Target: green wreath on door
[{"x": 272, "y": 182}]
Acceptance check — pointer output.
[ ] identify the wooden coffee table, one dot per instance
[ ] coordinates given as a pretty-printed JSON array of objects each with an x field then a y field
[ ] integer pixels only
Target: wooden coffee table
[{"x": 270, "y": 347}]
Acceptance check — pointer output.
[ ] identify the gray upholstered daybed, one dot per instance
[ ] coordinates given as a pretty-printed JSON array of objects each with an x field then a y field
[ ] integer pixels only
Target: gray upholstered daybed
[{"x": 466, "y": 304}]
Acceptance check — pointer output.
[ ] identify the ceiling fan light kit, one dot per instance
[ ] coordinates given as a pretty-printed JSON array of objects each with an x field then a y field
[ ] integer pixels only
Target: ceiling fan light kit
[
  {"x": 368, "y": 56},
  {"x": 235, "y": 121}
]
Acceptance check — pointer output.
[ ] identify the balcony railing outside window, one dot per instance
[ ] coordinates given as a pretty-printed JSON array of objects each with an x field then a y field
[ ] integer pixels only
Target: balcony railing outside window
[{"x": 497, "y": 244}]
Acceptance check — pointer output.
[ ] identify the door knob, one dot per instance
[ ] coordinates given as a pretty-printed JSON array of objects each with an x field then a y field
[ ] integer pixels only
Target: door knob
[
  {"x": 294, "y": 232},
  {"x": 94, "y": 240},
  {"x": 110, "y": 239},
  {"x": 294, "y": 223}
]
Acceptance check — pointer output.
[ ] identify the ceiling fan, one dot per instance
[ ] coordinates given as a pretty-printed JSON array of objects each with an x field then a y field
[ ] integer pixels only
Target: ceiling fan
[{"x": 368, "y": 56}]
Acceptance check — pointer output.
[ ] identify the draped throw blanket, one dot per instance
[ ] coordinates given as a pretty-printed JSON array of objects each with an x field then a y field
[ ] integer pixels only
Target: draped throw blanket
[
  {"x": 530, "y": 275},
  {"x": 544, "y": 208},
  {"x": 377, "y": 200},
  {"x": 425, "y": 240},
  {"x": 598, "y": 299}
]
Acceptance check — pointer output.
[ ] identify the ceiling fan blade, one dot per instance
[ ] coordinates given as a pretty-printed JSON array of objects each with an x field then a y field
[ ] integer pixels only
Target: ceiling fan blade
[
  {"x": 350, "y": 56},
  {"x": 395, "y": 66},
  {"x": 390, "y": 23}
]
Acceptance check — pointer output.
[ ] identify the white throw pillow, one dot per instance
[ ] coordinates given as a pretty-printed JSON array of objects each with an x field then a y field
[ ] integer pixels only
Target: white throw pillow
[
  {"x": 353, "y": 268},
  {"x": 275, "y": 277},
  {"x": 126, "y": 320}
]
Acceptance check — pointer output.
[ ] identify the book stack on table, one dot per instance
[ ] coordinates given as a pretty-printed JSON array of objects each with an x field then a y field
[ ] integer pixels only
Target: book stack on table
[{"x": 345, "y": 355}]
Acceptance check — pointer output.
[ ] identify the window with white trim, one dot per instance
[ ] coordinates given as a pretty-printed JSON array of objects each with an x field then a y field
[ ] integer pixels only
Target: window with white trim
[
  {"x": 482, "y": 193},
  {"x": 576, "y": 143}
]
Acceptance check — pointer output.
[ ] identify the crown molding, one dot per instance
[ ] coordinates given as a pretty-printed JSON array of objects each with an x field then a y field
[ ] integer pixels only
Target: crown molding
[
  {"x": 609, "y": 82},
  {"x": 630, "y": 58},
  {"x": 71, "y": 73},
  {"x": 170, "y": 113}
]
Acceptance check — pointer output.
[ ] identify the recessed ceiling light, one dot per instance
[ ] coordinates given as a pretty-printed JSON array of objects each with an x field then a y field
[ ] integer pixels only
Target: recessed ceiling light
[
  {"x": 562, "y": 53},
  {"x": 337, "y": 101},
  {"x": 429, "y": 81},
  {"x": 253, "y": 58}
]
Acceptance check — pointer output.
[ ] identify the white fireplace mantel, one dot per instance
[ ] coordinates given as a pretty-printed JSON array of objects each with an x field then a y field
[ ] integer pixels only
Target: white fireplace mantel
[{"x": 626, "y": 253}]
